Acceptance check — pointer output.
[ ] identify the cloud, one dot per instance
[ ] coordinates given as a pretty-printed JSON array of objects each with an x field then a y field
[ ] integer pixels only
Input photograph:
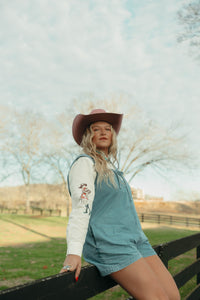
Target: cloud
[{"x": 52, "y": 51}]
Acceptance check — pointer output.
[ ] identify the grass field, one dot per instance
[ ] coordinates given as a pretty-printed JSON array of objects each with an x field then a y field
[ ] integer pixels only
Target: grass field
[{"x": 34, "y": 247}]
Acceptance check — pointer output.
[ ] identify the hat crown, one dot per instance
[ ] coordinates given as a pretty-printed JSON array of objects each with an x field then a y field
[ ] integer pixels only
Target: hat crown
[{"x": 97, "y": 111}]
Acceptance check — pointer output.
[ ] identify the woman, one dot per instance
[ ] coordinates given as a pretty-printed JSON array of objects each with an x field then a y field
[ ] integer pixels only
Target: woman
[{"x": 103, "y": 224}]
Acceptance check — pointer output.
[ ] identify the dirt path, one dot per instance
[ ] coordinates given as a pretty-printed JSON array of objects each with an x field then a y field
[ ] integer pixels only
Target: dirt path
[{"x": 13, "y": 233}]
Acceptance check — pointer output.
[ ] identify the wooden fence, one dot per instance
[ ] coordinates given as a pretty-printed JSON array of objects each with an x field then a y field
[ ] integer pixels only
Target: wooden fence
[
  {"x": 144, "y": 217},
  {"x": 34, "y": 210},
  {"x": 170, "y": 220},
  {"x": 90, "y": 283}
]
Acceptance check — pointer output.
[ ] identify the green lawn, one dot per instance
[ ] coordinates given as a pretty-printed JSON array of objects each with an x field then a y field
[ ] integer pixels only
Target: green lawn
[{"x": 31, "y": 259}]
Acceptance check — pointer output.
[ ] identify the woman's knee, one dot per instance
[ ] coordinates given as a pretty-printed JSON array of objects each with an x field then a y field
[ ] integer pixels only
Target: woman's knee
[
  {"x": 151, "y": 291},
  {"x": 161, "y": 294},
  {"x": 158, "y": 294},
  {"x": 174, "y": 295}
]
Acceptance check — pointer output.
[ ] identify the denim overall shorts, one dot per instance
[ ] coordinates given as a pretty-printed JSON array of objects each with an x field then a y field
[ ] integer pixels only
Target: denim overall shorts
[{"x": 114, "y": 238}]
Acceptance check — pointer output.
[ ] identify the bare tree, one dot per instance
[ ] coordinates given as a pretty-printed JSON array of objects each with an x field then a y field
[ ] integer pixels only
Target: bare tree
[
  {"x": 20, "y": 148},
  {"x": 36, "y": 150},
  {"x": 59, "y": 164},
  {"x": 142, "y": 142},
  {"x": 189, "y": 18},
  {"x": 150, "y": 145},
  {"x": 59, "y": 152}
]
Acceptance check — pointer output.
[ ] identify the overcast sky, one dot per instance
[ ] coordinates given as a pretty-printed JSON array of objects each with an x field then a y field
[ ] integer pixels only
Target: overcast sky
[{"x": 54, "y": 51}]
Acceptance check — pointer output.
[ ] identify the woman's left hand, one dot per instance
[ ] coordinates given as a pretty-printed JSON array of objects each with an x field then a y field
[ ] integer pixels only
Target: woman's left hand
[{"x": 72, "y": 262}]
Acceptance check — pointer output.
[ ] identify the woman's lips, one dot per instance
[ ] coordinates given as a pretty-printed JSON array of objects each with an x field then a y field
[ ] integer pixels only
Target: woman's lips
[{"x": 103, "y": 139}]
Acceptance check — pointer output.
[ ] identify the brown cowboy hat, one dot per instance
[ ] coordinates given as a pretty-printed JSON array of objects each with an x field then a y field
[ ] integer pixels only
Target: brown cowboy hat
[{"x": 81, "y": 122}]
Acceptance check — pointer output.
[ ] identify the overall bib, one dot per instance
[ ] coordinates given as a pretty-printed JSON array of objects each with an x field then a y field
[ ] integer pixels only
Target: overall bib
[{"x": 114, "y": 238}]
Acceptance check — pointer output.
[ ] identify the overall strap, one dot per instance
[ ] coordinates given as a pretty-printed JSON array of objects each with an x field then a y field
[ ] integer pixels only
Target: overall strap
[{"x": 79, "y": 156}]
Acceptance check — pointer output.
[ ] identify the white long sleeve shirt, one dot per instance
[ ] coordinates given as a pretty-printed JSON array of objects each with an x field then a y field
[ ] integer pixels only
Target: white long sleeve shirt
[{"x": 81, "y": 182}]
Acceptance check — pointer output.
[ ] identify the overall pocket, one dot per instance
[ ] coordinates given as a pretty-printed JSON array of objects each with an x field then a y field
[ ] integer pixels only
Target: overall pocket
[{"x": 111, "y": 239}]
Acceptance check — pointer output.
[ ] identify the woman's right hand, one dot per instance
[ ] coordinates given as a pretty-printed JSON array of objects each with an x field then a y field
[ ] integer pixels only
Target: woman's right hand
[{"x": 74, "y": 262}]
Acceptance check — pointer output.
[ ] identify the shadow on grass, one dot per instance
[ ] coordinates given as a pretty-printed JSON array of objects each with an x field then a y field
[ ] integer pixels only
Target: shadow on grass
[{"x": 28, "y": 229}]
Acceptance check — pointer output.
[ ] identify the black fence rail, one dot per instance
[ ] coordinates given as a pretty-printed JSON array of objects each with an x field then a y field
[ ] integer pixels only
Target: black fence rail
[
  {"x": 90, "y": 283},
  {"x": 33, "y": 210},
  {"x": 170, "y": 220}
]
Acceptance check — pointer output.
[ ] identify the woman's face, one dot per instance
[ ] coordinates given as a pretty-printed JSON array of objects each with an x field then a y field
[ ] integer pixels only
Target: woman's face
[{"x": 102, "y": 135}]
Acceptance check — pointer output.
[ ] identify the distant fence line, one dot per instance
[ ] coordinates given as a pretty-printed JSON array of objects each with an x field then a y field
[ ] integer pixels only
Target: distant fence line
[
  {"x": 144, "y": 217},
  {"x": 33, "y": 210},
  {"x": 168, "y": 219}
]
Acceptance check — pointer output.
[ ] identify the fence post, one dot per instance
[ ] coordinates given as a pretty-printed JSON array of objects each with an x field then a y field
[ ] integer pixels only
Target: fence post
[
  {"x": 162, "y": 254},
  {"x": 142, "y": 218},
  {"x": 158, "y": 219},
  {"x": 198, "y": 256}
]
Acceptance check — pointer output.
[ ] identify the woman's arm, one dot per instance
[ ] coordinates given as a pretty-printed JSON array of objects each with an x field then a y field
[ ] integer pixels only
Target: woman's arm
[{"x": 81, "y": 182}]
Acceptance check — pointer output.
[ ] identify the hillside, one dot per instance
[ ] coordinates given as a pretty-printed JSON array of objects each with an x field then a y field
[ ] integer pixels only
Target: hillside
[{"x": 172, "y": 207}]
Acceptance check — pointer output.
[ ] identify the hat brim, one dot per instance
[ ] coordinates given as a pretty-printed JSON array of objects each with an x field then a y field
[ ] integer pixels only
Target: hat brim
[{"x": 81, "y": 122}]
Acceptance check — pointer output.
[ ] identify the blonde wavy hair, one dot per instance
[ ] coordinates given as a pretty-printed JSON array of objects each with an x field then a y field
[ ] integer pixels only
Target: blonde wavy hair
[{"x": 89, "y": 148}]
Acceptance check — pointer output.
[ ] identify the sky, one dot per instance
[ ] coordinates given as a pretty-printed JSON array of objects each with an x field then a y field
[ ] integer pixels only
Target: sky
[{"x": 54, "y": 51}]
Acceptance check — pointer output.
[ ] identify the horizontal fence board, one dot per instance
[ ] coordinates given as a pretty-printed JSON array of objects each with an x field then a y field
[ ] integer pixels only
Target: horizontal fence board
[
  {"x": 174, "y": 248},
  {"x": 62, "y": 286},
  {"x": 195, "y": 294},
  {"x": 186, "y": 274}
]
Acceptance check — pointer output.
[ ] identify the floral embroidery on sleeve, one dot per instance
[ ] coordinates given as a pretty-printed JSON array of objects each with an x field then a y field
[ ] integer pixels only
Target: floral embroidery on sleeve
[{"x": 84, "y": 197}]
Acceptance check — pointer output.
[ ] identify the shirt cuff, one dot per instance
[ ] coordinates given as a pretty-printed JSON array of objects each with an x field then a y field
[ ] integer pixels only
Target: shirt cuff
[{"x": 75, "y": 248}]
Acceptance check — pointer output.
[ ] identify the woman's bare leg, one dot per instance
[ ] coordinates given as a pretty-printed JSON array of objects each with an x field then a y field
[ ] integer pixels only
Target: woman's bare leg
[
  {"x": 140, "y": 281},
  {"x": 164, "y": 277}
]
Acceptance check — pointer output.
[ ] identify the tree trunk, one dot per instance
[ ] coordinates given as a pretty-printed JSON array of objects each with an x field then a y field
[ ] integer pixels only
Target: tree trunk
[{"x": 27, "y": 198}]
